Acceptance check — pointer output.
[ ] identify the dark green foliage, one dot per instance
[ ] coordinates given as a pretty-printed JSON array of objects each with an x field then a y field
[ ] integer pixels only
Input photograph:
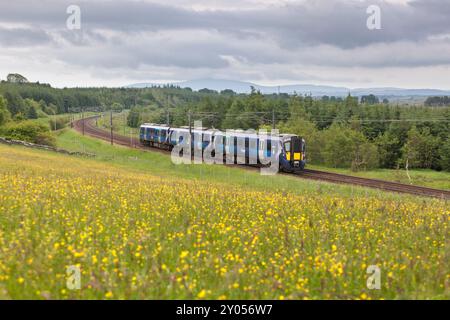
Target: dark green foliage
[
  {"x": 421, "y": 149},
  {"x": 228, "y": 92},
  {"x": 5, "y": 115},
  {"x": 32, "y": 113},
  {"x": 134, "y": 118},
  {"x": 445, "y": 154},
  {"x": 370, "y": 99},
  {"x": 438, "y": 101},
  {"x": 344, "y": 147},
  {"x": 58, "y": 123},
  {"x": 16, "y": 105}
]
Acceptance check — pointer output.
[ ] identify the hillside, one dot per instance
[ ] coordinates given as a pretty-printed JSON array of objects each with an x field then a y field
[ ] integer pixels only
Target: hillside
[{"x": 314, "y": 90}]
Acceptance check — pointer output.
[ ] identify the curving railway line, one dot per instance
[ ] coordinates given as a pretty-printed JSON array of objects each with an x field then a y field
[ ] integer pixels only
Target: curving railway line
[{"x": 86, "y": 125}]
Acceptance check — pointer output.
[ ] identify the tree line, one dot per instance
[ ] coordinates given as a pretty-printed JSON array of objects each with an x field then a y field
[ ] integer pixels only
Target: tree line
[{"x": 359, "y": 133}]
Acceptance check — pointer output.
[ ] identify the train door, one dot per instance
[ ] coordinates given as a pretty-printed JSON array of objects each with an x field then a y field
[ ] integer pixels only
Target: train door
[
  {"x": 287, "y": 149},
  {"x": 297, "y": 148}
]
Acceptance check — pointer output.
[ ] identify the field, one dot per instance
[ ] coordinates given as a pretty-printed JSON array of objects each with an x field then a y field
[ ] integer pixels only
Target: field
[{"x": 136, "y": 231}]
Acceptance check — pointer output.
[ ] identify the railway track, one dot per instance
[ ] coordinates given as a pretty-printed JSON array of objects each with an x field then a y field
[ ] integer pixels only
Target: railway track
[
  {"x": 375, "y": 183},
  {"x": 93, "y": 131}
]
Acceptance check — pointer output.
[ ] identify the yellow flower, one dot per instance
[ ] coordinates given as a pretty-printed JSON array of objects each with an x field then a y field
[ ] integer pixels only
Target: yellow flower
[
  {"x": 201, "y": 294},
  {"x": 108, "y": 295},
  {"x": 184, "y": 254}
]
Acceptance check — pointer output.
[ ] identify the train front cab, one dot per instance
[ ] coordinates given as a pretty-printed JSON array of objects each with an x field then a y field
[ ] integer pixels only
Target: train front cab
[{"x": 293, "y": 157}]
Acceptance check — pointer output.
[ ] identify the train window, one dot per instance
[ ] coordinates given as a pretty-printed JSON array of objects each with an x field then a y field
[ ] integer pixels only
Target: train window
[
  {"x": 274, "y": 148},
  {"x": 297, "y": 145},
  {"x": 287, "y": 146}
]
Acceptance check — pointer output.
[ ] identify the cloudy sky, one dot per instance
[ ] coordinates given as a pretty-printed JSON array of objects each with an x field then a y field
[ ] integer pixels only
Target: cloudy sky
[{"x": 265, "y": 41}]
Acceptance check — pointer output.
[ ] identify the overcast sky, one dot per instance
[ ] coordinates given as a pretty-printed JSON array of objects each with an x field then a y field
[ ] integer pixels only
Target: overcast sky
[{"x": 266, "y": 41}]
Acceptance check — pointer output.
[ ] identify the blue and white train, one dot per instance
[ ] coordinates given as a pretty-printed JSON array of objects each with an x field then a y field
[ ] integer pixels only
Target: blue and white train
[{"x": 292, "y": 148}]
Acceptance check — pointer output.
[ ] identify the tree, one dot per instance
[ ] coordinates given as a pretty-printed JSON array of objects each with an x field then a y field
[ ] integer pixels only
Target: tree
[
  {"x": 16, "y": 78},
  {"x": 370, "y": 99},
  {"x": 389, "y": 149},
  {"x": 307, "y": 130},
  {"x": 5, "y": 115},
  {"x": 365, "y": 157},
  {"x": 445, "y": 154},
  {"x": 421, "y": 149},
  {"x": 16, "y": 104},
  {"x": 116, "y": 107},
  {"x": 233, "y": 118},
  {"x": 208, "y": 91},
  {"x": 351, "y": 102},
  {"x": 31, "y": 113},
  {"x": 347, "y": 148},
  {"x": 134, "y": 118},
  {"x": 228, "y": 92}
]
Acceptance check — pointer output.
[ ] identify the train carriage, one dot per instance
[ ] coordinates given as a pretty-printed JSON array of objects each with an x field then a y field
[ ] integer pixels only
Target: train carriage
[{"x": 236, "y": 144}]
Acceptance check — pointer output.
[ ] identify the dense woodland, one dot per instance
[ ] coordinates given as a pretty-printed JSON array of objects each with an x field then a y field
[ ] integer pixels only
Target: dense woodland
[{"x": 358, "y": 133}]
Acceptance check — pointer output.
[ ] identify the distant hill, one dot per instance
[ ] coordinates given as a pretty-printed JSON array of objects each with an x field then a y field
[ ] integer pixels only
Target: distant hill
[{"x": 314, "y": 90}]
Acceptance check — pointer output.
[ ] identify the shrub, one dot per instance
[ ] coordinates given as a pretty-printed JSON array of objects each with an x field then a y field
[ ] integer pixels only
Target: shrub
[
  {"x": 347, "y": 148},
  {"x": 28, "y": 131},
  {"x": 58, "y": 123},
  {"x": 5, "y": 116}
]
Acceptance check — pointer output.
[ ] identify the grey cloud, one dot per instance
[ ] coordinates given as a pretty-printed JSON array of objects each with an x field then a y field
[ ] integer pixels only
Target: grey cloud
[
  {"x": 339, "y": 23},
  {"x": 23, "y": 37},
  {"x": 260, "y": 42}
]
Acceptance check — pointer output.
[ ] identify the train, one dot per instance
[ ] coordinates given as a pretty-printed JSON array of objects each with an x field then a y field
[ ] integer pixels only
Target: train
[{"x": 292, "y": 148}]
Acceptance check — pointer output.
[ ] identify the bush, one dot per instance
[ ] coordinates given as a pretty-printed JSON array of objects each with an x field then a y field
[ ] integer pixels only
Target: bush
[
  {"x": 5, "y": 116},
  {"x": 58, "y": 123},
  {"x": 445, "y": 155},
  {"x": 347, "y": 148},
  {"x": 28, "y": 131}
]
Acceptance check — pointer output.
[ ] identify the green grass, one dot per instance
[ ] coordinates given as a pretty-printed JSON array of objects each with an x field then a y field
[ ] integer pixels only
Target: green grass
[
  {"x": 419, "y": 177},
  {"x": 46, "y": 120},
  {"x": 119, "y": 124}
]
